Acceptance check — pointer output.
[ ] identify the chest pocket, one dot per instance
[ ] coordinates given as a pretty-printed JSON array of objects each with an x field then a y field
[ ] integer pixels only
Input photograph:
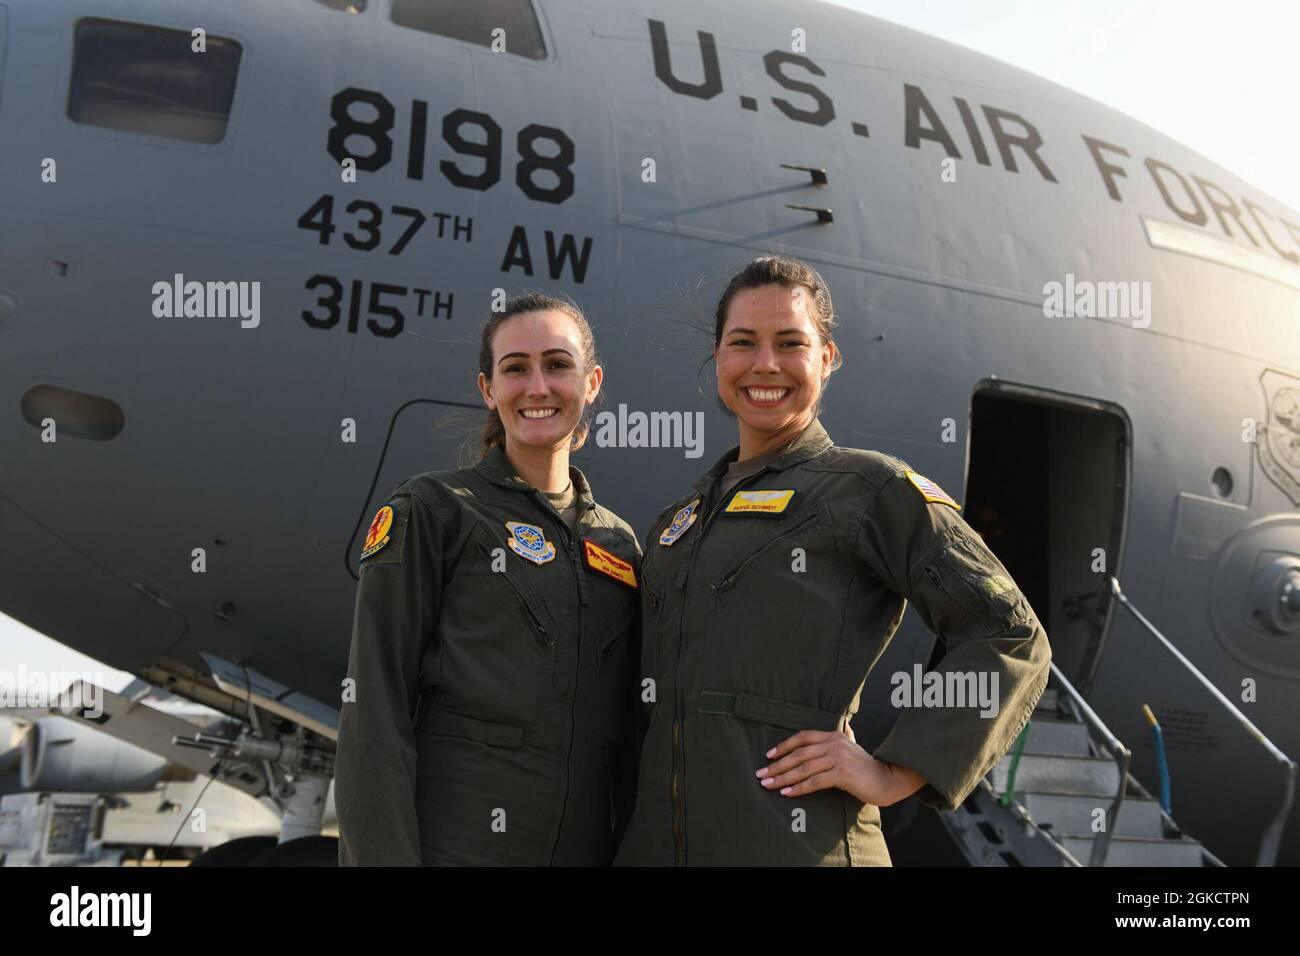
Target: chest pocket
[
  {"x": 787, "y": 531},
  {"x": 509, "y": 579}
]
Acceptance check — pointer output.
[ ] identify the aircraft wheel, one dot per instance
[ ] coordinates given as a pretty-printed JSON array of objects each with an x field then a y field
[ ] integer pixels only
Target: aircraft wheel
[
  {"x": 304, "y": 851},
  {"x": 237, "y": 852}
]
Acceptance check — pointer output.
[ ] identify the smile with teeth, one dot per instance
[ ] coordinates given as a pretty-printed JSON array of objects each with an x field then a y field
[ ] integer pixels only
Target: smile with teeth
[
  {"x": 538, "y": 412},
  {"x": 766, "y": 396}
]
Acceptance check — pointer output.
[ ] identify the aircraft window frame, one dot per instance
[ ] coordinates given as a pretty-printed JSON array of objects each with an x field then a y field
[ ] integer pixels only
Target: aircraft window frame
[
  {"x": 75, "y": 102},
  {"x": 543, "y": 34}
]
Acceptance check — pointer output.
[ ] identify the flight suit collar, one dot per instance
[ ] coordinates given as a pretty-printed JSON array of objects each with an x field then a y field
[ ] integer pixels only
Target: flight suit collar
[
  {"x": 497, "y": 469},
  {"x": 812, "y": 441}
]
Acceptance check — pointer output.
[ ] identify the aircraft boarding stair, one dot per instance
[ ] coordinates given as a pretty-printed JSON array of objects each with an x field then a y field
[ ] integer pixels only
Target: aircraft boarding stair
[
  {"x": 1063, "y": 782},
  {"x": 1069, "y": 797}
]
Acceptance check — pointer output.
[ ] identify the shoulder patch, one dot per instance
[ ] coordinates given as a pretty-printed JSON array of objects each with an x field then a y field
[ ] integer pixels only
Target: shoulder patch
[
  {"x": 929, "y": 490},
  {"x": 386, "y": 533}
]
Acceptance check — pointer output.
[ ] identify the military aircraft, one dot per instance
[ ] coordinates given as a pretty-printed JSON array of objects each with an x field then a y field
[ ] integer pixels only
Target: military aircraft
[
  {"x": 71, "y": 795},
  {"x": 248, "y": 247}
]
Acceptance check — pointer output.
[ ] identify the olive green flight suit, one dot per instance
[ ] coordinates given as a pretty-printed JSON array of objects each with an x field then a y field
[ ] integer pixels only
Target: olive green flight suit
[
  {"x": 495, "y": 694},
  {"x": 758, "y": 624}
]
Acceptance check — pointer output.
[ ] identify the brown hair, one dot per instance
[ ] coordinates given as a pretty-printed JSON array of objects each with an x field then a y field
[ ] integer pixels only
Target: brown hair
[
  {"x": 788, "y": 273},
  {"x": 494, "y": 431}
]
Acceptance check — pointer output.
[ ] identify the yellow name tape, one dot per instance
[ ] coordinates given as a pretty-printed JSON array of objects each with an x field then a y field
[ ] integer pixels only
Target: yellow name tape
[
  {"x": 765, "y": 502},
  {"x": 611, "y": 565}
]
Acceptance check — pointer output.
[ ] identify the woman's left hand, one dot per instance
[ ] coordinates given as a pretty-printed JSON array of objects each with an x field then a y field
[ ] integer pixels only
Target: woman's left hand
[{"x": 819, "y": 760}]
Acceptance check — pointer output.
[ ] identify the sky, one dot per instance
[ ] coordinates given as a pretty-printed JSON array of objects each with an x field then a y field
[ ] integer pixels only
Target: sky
[{"x": 1221, "y": 78}]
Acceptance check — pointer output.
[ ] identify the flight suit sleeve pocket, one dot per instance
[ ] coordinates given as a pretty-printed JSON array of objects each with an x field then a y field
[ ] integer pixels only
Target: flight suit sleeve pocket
[
  {"x": 962, "y": 583},
  {"x": 471, "y": 728}
]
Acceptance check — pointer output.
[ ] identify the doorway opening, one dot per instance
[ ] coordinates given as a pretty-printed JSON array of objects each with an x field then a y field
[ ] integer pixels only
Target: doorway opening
[{"x": 1047, "y": 488}]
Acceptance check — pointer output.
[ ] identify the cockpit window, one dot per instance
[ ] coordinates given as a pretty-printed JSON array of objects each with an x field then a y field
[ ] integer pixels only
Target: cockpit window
[
  {"x": 347, "y": 6},
  {"x": 145, "y": 79},
  {"x": 509, "y": 25}
]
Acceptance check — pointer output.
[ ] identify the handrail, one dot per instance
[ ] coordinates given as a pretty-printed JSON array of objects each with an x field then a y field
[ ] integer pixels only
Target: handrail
[
  {"x": 1272, "y": 838},
  {"x": 1121, "y": 755},
  {"x": 1016, "y": 751}
]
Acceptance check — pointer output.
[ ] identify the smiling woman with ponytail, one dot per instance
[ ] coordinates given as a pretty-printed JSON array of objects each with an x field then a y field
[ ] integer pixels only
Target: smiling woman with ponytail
[
  {"x": 495, "y": 633},
  {"x": 770, "y": 590}
]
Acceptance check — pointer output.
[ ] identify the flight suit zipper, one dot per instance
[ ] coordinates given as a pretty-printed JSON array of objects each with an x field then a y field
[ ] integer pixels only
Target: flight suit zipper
[
  {"x": 679, "y": 706},
  {"x": 542, "y": 638},
  {"x": 568, "y": 539},
  {"x": 679, "y": 837}
]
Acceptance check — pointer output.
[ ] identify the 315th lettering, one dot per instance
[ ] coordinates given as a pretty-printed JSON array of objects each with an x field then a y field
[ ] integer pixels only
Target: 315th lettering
[{"x": 333, "y": 299}]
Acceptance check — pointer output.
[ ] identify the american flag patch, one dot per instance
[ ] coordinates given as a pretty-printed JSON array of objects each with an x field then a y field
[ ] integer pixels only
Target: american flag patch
[{"x": 930, "y": 491}]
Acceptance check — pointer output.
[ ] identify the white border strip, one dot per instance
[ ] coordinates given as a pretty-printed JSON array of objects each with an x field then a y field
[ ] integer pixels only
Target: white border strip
[{"x": 1194, "y": 242}]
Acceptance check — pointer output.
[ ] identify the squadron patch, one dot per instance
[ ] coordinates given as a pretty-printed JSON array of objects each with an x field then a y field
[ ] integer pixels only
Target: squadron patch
[
  {"x": 607, "y": 563},
  {"x": 527, "y": 541},
  {"x": 930, "y": 491},
  {"x": 760, "y": 502},
  {"x": 377, "y": 536},
  {"x": 680, "y": 524},
  {"x": 387, "y": 528}
]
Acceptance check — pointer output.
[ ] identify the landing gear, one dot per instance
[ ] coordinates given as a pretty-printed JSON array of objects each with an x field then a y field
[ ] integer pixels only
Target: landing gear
[
  {"x": 304, "y": 851},
  {"x": 238, "y": 852}
]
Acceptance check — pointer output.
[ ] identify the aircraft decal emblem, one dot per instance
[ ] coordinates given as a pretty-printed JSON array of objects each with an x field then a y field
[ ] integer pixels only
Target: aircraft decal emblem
[{"x": 1279, "y": 445}]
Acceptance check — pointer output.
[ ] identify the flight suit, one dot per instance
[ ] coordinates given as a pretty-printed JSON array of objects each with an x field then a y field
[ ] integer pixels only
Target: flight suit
[
  {"x": 763, "y": 610},
  {"x": 493, "y": 654}
]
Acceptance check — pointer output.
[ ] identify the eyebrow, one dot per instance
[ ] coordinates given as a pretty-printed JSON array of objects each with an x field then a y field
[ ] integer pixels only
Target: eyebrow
[
  {"x": 524, "y": 355},
  {"x": 780, "y": 332}
]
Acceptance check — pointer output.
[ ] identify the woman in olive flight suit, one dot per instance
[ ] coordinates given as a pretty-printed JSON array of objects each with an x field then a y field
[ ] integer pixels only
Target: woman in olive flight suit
[
  {"x": 487, "y": 716},
  {"x": 771, "y": 589}
]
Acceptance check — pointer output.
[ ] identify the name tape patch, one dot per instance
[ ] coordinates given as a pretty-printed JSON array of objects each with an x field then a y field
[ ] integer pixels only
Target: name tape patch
[
  {"x": 607, "y": 563},
  {"x": 760, "y": 502}
]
